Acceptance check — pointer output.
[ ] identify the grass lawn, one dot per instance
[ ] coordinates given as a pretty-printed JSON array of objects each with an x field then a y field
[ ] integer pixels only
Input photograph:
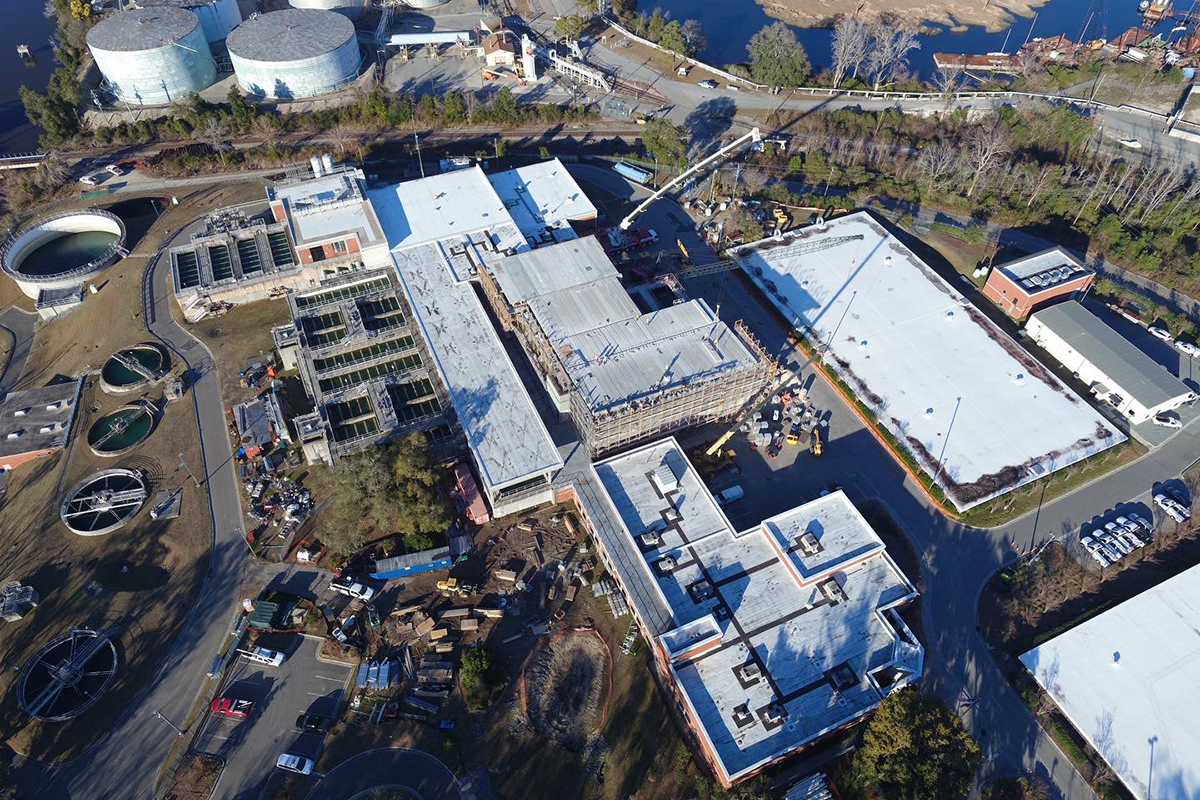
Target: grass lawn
[
  {"x": 10, "y": 295},
  {"x": 964, "y": 256},
  {"x": 6, "y": 347},
  {"x": 243, "y": 332},
  {"x": 1019, "y": 501}
]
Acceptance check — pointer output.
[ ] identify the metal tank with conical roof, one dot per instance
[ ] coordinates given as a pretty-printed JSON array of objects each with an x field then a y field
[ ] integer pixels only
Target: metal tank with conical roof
[
  {"x": 218, "y": 17},
  {"x": 152, "y": 56},
  {"x": 426, "y": 3},
  {"x": 296, "y": 52},
  {"x": 348, "y": 8}
]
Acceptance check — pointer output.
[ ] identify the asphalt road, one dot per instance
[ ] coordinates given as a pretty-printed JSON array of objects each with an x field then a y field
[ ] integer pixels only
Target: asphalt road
[
  {"x": 250, "y": 747},
  {"x": 411, "y": 770},
  {"x": 20, "y": 324},
  {"x": 133, "y": 751}
]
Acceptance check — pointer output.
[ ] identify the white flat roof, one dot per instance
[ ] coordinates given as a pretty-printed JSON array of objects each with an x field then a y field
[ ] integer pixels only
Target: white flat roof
[
  {"x": 534, "y": 273},
  {"x": 1043, "y": 270},
  {"x": 761, "y": 609},
  {"x": 968, "y": 401},
  {"x": 329, "y": 207},
  {"x": 438, "y": 207},
  {"x": 543, "y": 197},
  {"x": 1127, "y": 681},
  {"x": 502, "y": 427}
]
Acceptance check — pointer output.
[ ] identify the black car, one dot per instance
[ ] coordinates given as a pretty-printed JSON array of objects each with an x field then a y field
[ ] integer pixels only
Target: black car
[{"x": 312, "y": 723}]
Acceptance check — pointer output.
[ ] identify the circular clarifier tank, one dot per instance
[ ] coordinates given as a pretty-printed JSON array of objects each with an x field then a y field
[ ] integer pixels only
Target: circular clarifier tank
[
  {"x": 103, "y": 502},
  {"x": 68, "y": 675},
  {"x": 121, "y": 431},
  {"x": 63, "y": 250},
  {"x": 130, "y": 370}
]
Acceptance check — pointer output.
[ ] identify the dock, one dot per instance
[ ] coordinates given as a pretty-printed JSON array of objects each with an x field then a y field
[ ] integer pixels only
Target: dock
[{"x": 997, "y": 63}]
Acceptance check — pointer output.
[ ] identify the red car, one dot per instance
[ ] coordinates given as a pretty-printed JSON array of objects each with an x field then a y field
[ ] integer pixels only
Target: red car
[{"x": 228, "y": 707}]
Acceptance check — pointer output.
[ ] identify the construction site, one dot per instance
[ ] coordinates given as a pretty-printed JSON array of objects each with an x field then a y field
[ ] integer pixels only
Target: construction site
[{"x": 623, "y": 375}]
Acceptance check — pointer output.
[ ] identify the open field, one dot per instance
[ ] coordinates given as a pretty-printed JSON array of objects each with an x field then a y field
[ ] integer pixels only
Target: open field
[{"x": 243, "y": 332}]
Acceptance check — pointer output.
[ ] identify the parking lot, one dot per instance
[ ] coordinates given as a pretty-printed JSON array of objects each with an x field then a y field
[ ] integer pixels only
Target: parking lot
[{"x": 250, "y": 746}]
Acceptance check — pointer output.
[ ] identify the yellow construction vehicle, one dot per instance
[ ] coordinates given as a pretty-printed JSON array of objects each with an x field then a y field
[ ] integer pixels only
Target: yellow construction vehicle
[
  {"x": 452, "y": 588},
  {"x": 782, "y": 218},
  {"x": 818, "y": 446},
  {"x": 687, "y": 257},
  {"x": 793, "y": 436}
]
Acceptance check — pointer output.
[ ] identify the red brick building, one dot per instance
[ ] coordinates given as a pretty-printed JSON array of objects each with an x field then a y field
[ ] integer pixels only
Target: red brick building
[{"x": 1036, "y": 281}]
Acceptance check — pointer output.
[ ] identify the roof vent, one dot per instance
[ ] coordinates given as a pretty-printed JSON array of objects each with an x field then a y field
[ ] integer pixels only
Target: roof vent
[
  {"x": 15, "y": 434},
  {"x": 667, "y": 564},
  {"x": 54, "y": 406},
  {"x": 742, "y": 716},
  {"x": 750, "y": 673},
  {"x": 929, "y": 413},
  {"x": 701, "y": 591},
  {"x": 20, "y": 412},
  {"x": 1019, "y": 379},
  {"x": 809, "y": 543},
  {"x": 774, "y": 714}
]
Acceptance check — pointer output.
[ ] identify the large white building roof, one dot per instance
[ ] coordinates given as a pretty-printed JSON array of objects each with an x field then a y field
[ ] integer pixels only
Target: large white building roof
[
  {"x": 823, "y": 654},
  {"x": 972, "y": 405},
  {"x": 441, "y": 229},
  {"x": 543, "y": 198},
  {"x": 329, "y": 207},
  {"x": 1127, "y": 681}
]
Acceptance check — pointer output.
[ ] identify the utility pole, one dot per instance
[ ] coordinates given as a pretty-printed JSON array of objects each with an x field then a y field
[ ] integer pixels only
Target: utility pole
[{"x": 183, "y": 464}]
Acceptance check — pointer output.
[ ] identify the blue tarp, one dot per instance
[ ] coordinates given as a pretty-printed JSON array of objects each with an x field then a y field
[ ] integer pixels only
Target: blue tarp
[{"x": 412, "y": 564}]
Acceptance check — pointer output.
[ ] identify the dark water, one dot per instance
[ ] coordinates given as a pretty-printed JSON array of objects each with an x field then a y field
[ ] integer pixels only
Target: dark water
[
  {"x": 23, "y": 23},
  {"x": 67, "y": 252},
  {"x": 729, "y": 24},
  {"x": 117, "y": 374},
  {"x": 138, "y": 422}
]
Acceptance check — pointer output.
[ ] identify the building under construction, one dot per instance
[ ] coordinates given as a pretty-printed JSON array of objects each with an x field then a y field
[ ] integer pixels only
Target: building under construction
[
  {"x": 623, "y": 376},
  {"x": 368, "y": 372}
]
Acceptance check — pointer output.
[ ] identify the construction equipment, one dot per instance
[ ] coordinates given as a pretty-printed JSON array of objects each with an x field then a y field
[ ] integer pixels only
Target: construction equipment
[
  {"x": 687, "y": 257},
  {"x": 452, "y": 588},
  {"x": 753, "y": 136},
  {"x": 783, "y": 220},
  {"x": 818, "y": 446}
]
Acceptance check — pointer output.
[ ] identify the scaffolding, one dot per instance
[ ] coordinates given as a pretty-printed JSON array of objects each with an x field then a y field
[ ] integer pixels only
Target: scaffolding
[{"x": 604, "y": 428}]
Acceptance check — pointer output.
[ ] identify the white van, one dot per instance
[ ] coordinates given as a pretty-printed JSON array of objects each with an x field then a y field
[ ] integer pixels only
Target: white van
[{"x": 730, "y": 495}]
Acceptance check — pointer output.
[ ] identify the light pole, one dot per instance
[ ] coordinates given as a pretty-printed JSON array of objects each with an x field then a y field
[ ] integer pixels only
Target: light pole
[
  {"x": 183, "y": 464},
  {"x": 174, "y": 727}
]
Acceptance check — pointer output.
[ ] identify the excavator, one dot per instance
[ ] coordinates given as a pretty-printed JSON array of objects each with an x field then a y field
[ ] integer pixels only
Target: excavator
[{"x": 817, "y": 447}]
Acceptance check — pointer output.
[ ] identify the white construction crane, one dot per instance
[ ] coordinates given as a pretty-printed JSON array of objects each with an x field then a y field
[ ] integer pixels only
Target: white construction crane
[{"x": 755, "y": 135}]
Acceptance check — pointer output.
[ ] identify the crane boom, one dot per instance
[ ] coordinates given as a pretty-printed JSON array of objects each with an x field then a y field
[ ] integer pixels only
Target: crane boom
[
  {"x": 754, "y": 135},
  {"x": 802, "y": 249}
]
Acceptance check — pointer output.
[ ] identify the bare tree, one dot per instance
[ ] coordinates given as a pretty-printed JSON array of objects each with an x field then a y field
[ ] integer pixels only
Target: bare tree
[
  {"x": 986, "y": 148},
  {"x": 892, "y": 41},
  {"x": 52, "y": 173},
  {"x": 694, "y": 35},
  {"x": 948, "y": 80},
  {"x": 1169, "y": 180},
  {"x": 1038, "y": 180},
  {"x": 752, "y": 180},
  {"x": 343, "y": 138},
  {"x": 1191, "y": 188},
  {"x": 264, "y": 126},
  {"x": 213, "y": 135},
  {"x": 850, "y": 40},
  {"x": 936, "y": 164}
]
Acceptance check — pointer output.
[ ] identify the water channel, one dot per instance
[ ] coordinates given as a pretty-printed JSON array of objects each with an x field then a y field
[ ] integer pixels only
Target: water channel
[{"x": 729, "y": 24}]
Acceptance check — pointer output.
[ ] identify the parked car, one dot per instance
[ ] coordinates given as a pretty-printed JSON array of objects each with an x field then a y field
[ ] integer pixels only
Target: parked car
[
  {"x": 1144, "y": 524},
  {"x": 294, "y": 763},
  {"x": 1131, "y": 143},
  {"x": 732, "y": 494},
  {"x": 1172, "y": 507},
  {"x": 89, "y": 180},
  {"x": 1112, "y": 536},
  {"x": 1168, "y": 421},
  {"x": 352, "y": 588},
  {"x": 313, "y": 723},
  {"x": 228, "y": 707},
  {"x": 115, "y": 169},
  {"x": 263, "y": 655},
  {"x": 1094, "y": 548},
  {"x": 342, "y": 632},
  {"x": 709, "y": 84},
  {"x": 1187, "y": 348},
  {"x": 1160, "y": 332},
  {"x": 1111, "y": 553}
]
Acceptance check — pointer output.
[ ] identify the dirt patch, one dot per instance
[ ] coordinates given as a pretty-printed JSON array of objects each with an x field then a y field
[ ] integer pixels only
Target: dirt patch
[
  {"x": 197, "y": 779},
  {"x": 566, "y": 686},
  {"x": 993, "y": 14}
]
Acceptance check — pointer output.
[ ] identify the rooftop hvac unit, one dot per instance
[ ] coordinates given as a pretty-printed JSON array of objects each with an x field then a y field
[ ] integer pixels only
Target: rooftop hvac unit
[
  {"x": 750, "y": 673},
  {"x": 664, "y": 478},
  {"x": 651, "y": 539},
  {"x": 742, "y": 715},
  {"x": 832, "y": 590},
  {"x": 701, "y": 591},
  {"x": 666, "y": 564},
  {"x": 774, "y": 714},
  {"x": 809, "y": 543}
]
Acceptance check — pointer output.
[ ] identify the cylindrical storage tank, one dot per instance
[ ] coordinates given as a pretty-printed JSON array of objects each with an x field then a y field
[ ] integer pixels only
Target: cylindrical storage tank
[
  {"x": 153, "y": 56},
  {"x": 218, "y": 17},
  {"x": 426, "y": 3},
  {"x": 296, "y": 52},
  {"x": 349, "y": 8}
]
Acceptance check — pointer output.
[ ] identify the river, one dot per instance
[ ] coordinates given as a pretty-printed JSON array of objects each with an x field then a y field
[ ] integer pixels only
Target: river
[
  {"x": 24, "y": 23},
  {"x": 729, "y": 24}
]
